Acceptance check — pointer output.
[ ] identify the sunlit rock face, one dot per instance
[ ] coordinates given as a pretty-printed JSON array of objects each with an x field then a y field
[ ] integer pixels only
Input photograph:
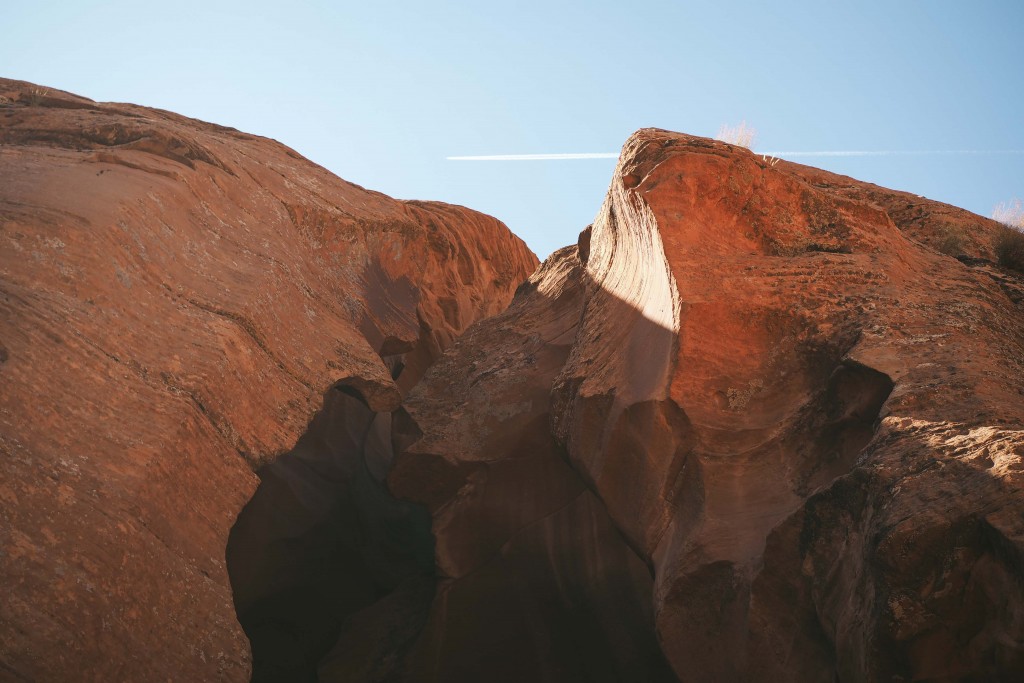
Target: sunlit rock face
[
  {"x": 801, "y": 419},
  {"x": 177, "y": 299},
  {"x": 814, "y": 338}
]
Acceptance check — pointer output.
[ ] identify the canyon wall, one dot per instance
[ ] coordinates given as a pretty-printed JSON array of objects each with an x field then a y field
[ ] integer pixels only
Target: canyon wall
[
  {"x": 762, "y": 422},
  {"x": 797, "y": 413},
  {"x": 177, "y": 300}
]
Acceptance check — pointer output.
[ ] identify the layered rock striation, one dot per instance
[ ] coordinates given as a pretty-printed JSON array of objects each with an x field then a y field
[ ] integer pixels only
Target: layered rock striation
[
  {"x": 177, "y": 300},
  {"x": 798, "y": 414},
  {"x": 762, "y": 422}
]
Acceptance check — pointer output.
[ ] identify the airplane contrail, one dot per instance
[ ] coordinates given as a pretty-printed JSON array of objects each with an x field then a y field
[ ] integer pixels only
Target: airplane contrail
[
  {"x": 822, "y": 153},
  {"x": 538, "y": 157}
]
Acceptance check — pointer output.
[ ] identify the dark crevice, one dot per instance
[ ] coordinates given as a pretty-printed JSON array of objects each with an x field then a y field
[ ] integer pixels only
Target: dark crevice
[
  {"x": 322, "y": 542},
  {"x": 853, "y": 402}
]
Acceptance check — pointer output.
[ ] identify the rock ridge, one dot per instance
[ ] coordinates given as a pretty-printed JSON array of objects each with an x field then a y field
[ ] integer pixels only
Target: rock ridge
[{"x": 787, "y": 401}]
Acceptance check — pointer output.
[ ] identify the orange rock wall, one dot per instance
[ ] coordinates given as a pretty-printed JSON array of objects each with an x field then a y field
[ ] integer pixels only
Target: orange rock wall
[
  {"x": 175, "y": 298},
  {"x": 802, "y": 417}
]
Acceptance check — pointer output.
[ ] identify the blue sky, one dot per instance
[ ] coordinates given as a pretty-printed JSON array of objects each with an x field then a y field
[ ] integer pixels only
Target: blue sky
[{"x": 382, "y": 93}]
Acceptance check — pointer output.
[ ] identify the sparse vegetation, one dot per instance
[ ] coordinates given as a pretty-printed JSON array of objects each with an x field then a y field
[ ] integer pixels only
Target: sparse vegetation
[
  {"x": 1010, "y": 248},
  {"x": 950, "y": 241},
  {"x": 36, "y": 96},
  {"x": 1009, "y": 244},
  {"x": 1010, "y": 213},
  {"x": 741, "y": 135}
]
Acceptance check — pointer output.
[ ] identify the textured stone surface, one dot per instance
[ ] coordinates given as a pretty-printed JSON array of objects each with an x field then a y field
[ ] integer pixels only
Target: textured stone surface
[
  {"x": 175, "y": 299},
  {"x": 796, "y": 410},
  {"x": 534, "y": 580},
  {"x": 762, "y": 422},
  {"x": 800, "y": 309}
]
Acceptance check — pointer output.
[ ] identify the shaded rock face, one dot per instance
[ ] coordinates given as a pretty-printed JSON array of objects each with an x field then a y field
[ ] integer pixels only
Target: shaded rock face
[
  {"x": 802, "y": 421},
  {"x": 535, "y": 582},
  {"x": 177, "y": 301},
  {"x": 322, "y": 539}
]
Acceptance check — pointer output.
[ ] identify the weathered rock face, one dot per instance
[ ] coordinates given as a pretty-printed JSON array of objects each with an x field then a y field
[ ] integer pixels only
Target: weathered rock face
[
  {"x": 762, "y": 422},
  {"x": 800, "y": 310},
  {"x": 535, "y": 581},
  {"x": 804, "y": 422},
  {"x": 175, "y": 300}
]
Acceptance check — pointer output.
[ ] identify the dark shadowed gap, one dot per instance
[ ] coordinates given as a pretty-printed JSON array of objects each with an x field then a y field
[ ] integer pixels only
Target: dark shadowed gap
[
  {"x": 536, "y": 582},
  {"x": 851, "y": 408},
  {"x": 322, "y": 541}
]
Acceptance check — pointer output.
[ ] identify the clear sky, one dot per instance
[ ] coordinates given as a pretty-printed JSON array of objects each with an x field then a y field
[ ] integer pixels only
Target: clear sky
[{"x": 382, "y": 92}]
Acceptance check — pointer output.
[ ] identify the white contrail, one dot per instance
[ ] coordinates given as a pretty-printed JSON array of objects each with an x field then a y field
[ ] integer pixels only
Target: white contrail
[
  {"x": 538, "y": 157},
  {"x": 824, "y": 153}
]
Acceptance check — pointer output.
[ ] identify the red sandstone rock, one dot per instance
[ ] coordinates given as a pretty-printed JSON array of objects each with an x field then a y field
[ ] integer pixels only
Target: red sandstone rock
[
  {"x": 798, "y": 412},
  {"x": 763, "y": 422},
  {"x": 175, "y": 299},
  {"x": 799, "y": 309},
  {"x": 535, "y": 582}
]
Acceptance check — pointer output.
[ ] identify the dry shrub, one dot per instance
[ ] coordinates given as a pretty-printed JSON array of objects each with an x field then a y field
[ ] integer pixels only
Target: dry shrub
[
  {"x": 741, "y": 135},
  {"x": 1009, "y": 244},
  {"x": 1009, "y": 248},
  {"x": 1010, "y": 213},
  {"x": 36, "y": 96},
  {"x": 950, "y": 240}
]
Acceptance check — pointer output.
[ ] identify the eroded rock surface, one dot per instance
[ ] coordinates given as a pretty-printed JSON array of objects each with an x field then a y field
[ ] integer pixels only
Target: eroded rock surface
[
  {"x": 535, "y": 582},
  {"x": 801, "y": 417},
  {"x": 176, "y": 300},
  {"x": 762, "y": 422}
]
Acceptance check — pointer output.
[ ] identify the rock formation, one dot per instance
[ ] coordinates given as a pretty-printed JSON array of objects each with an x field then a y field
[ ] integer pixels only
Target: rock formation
[
  {"x": 178, "y": 299},
  {"x": 803, "y": 418},
  {"x": 762, "y": 422}
]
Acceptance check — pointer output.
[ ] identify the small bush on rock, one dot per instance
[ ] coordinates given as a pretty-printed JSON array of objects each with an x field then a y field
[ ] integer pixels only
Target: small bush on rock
[
  {"x": 1009, "y": 244},
  {"x": 1010, "y": 248},
  {"x": 950, "y": 241},
  {"x": 741, "y": 135}
]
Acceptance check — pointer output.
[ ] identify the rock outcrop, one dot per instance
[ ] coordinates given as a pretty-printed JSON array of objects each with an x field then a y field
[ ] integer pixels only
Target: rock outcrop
[
  {"x": 792, "y": 408},
  {"x": 762, "y": 422},
  {"x": 177, "y": 300}
]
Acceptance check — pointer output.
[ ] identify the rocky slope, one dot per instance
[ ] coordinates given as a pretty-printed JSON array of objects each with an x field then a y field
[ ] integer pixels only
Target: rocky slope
[
  {"x": 804, "y": 420},
  {"x": 177, "y": 300}
]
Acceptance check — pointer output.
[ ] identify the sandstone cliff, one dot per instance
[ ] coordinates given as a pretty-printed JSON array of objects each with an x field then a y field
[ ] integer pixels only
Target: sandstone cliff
[
  {"x": 762, "y": 422},
  {"x": 797, "y": 413},
  {"x": 176, "y": 298}
]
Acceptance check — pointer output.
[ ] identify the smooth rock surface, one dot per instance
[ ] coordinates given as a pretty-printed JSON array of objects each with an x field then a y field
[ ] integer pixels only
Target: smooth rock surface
[{"x": 535, "y": 582}]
